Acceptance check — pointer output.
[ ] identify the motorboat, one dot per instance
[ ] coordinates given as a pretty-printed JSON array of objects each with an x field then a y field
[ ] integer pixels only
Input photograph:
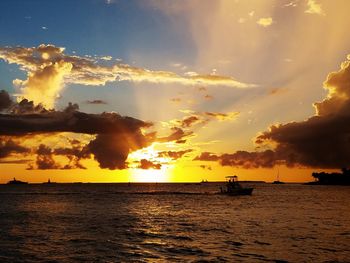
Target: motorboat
[{"x": 233, "y": 187}]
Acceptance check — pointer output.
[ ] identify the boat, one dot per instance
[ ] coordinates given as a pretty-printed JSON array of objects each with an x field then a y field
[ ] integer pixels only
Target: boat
[
  {"x": 14, "y": 181},
  {"x": 234, "y": 188},
  {"x": 49, "y": 182},
  {"x": 277, "y": 181}
]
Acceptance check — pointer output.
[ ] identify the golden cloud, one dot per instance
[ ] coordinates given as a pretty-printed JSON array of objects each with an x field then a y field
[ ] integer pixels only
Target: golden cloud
[{"x": 49, "y": 69}]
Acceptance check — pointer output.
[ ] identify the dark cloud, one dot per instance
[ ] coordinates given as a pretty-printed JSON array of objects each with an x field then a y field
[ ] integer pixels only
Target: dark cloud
[
  {"x": 146, "y": 164},
  {"x": 27, "y": 107},
  {"x": 116, "y": 136},
  {"x": 8, "y": 147},
  {"x": 242, "y": 159},
  {"x": 110, "y": 150},
  {"x": 5, "y": 100},
  {"x": 322, "y": 141},
  {"x": 44, "y": 160},
  {"x": 21, "y": 161},
  {"x": 174, "y": 154},
  {"x": 206, "y": 156},
  {"x": 68, "y": 121},
  {"x": 96, "y": 102},
  {"x": 178, "y": 135},
  {"x": 189, "y": 121}
]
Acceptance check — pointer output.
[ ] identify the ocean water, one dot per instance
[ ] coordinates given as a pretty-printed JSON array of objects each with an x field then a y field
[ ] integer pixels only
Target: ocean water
[{"x": 173, "y": 223}]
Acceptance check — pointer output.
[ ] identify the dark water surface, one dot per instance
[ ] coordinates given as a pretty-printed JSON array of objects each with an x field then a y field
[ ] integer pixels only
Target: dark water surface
[{"x": 118, "y": 223}]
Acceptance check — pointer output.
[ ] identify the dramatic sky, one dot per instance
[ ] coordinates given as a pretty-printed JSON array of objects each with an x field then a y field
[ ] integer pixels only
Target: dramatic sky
[{"x": 162, "y": 90}]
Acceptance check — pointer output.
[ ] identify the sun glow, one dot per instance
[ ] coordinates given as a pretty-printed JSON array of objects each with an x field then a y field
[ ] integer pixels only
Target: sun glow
[
  {"x": 150, "y": 175},
  {"x": 150, "y": 154},
  {"x": 137, "y": 174}
]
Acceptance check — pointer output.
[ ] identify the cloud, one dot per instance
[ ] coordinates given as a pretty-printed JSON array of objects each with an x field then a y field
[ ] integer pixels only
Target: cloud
[
  {"x": 5, "y": 100},
  {"x": 203, "y": 118},
  {"x": 9, "y": 147},
  {"x": 207, "y": 156},
  {"x": 68, "y": 121},
  {"x": 174, "y": 154},
  {"x": 107, "y": 58},
  {"x": 26, "y": 107},
  {"x": 49, "y": 69},
  {"x": 189, "y": 121},
  {"x": 96, "y": 102},
  {"x": 45, "y": 159},
  {"x": 321, "y": 141},
  {"x": 265, "y": 21},
  {"x": 116, "y": 136},
  {"x": 182, "y": 129},
  {"x": 241, "y": 159},
  {"x": 146, "y": 164},
  {"x": 178, "y": 135},
  {"x": 314, "y": 8},
  {"x": 110, "y": 151},
  {"x": 222, "y": 116},
  {"x": 21, "y": 161}
]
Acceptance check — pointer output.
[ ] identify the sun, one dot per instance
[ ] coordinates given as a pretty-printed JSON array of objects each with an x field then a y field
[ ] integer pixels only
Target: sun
[{"x": 148, "y": 175}]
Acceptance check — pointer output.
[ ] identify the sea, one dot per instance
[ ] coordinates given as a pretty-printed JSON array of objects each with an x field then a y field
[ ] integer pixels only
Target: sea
[{"x": 150, "y": 222}]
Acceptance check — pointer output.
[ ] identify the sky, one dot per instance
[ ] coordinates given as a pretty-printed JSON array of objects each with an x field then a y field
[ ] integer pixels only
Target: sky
[{"x": 173, "y": 91}]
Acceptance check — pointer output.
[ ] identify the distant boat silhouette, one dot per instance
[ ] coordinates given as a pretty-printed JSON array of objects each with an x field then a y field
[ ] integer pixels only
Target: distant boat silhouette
[
  {"x": 234, "y": 188},
  {"x": 14, "y": 181},
  {"x": 49, "y": 182},
  {"x": 277, "y": 181}
]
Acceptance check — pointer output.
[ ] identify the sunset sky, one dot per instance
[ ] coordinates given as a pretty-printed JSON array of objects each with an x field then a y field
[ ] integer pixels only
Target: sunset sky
[{"x": 173, "y": 91}]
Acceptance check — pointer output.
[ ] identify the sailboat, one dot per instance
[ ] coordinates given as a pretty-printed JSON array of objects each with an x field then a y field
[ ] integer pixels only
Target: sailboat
[{"x": 278, "y": 178}]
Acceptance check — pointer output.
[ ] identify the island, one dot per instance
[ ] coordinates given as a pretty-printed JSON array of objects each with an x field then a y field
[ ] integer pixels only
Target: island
[{"x": 324, "y": 178}]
